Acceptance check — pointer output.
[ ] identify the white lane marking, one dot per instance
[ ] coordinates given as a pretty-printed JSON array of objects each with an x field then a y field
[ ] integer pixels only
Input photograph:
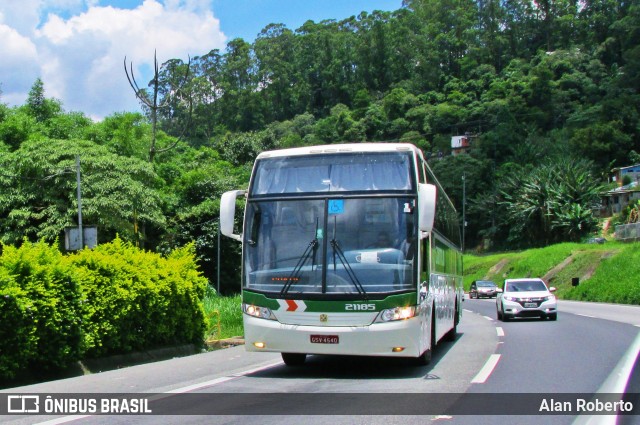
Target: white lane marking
[
  {"x": 201, "y": 385},
  {"x": 182, "y": 390},
  {"x": 615, "y": 383},
  {"x": 486, "y": 370},
  {"x": 64, "y": 420},
  {"x": 499, "y": 331},
  {"x": 222, "y": 379},
  {"x": 585, "y": 315},
  {"x": 488, "y": 318},
  {"x": 468, "y": 311}
]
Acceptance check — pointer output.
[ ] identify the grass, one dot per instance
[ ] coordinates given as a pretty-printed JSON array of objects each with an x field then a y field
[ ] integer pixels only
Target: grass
[
  {"x": 616, "y": 280},
  {"x": 607, "y": 273},
  {"x": 225, "y": 309}
]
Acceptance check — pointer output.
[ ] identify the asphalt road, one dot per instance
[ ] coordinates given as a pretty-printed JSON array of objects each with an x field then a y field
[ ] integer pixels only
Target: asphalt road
[
  {"x": 582, "y": 353},
  {"x": 576, "y": 354}
]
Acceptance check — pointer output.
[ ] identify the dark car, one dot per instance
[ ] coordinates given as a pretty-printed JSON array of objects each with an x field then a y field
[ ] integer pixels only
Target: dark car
[{"x": 483, "y": 288}]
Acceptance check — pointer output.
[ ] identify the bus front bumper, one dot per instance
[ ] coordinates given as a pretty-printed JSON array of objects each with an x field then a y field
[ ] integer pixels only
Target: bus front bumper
[{"x": 400, "y": 338}]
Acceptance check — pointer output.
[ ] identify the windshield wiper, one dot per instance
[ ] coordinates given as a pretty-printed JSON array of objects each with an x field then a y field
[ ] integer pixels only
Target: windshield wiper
[
  {"x": 294, "y": 277},
  {"x": 345, "y": 263}
]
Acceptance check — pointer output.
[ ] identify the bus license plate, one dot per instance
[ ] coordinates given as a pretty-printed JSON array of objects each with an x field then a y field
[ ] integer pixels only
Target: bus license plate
[
  {"x": 530, "y": 305},
  {"x": 324, "y": 339}
]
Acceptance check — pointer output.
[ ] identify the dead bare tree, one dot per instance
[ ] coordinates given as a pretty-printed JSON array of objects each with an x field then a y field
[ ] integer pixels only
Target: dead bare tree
[{"x": 156, "y": 105}]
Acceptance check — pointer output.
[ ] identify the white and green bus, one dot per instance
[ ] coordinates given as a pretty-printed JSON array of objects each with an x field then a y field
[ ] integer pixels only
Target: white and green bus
[{"x": 350, "y": 249}]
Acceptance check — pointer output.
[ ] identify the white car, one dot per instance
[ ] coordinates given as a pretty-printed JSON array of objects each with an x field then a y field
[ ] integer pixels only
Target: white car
[{"x": 528, "y": 297}]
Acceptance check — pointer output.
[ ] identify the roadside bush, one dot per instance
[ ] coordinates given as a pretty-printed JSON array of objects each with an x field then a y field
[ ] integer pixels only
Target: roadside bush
[
  {"x": 135, "y": 300},
  {"x": 39, "y": 310},
  {"x": 55, "y": 309}
]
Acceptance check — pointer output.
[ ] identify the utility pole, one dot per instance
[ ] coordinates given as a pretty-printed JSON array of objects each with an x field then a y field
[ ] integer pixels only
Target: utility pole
[
  {"x": 464, "y": 205},
  {"x": 79, "y": 202},
  {"x": 218, "y": 265}
]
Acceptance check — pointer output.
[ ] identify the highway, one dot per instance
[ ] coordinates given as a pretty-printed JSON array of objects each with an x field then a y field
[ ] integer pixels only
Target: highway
[{"x": 592, "y": 348}]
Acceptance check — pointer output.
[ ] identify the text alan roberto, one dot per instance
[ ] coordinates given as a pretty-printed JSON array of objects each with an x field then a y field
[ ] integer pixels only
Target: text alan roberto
[{"x": 582, "y": 405}]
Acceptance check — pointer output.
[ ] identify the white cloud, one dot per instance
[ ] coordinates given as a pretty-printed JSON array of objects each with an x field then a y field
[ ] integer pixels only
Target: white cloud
[
  {"x": 81, "y": 57},
  {"x": 19, "y": 66}
]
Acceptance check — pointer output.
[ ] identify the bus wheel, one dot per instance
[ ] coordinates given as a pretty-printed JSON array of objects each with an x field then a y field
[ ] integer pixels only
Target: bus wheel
[
  {"x": 293, "y": 359},
  {"x": 423, "y": 359},
  {"x": 453, "y": 332}
]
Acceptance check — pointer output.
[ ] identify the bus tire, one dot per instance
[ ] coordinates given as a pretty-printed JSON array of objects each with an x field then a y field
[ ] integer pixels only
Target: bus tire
[
  {"x": 293, "y": 359},
  {"x": 453, "y": 332},
  {"x": 424, "y": 358}
]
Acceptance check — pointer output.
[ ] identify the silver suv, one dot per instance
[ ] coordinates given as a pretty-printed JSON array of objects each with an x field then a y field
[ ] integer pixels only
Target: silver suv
[
  {"x": 483, "y": 288},
  {"x": 528, "y": 297}
]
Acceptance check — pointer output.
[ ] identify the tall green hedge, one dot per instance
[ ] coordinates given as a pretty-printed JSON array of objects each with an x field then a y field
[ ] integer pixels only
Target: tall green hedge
[
  {"x": 135, "y": 299},
  {"x": 114, "y": 299},
  {"x": 40, "y": 310}
]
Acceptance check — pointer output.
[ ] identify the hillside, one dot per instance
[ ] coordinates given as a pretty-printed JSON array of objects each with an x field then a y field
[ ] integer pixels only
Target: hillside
[{"x": 607, "y": 273}]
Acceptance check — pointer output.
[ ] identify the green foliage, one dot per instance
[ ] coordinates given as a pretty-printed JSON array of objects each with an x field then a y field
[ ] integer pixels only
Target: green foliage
[
  {"x": 114, "y": 299},
  {"x": 40, "y": 192},
  {"x": 607, "y": 273},
  {"x": 126, "y": 134},
  {"x": 40, "y": 310},
  {"x": 67, "y": 126},
  {"x": 604, "y": 142},
  {"x": 614, "y": 281},
  {"x": 40, "y": 107},
  {"x": 17, "y": 127},
  {"x": 549, "y": 203},
  {"x": 195, "y": 181},
  {"x": 225, "y": 309},
  {"x": 135, "y": 299},
  {"x": 241, "y": 148}
]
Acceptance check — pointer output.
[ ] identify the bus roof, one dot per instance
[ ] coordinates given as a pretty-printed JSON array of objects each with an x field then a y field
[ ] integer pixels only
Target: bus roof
[{"x": 341, "y": 148}]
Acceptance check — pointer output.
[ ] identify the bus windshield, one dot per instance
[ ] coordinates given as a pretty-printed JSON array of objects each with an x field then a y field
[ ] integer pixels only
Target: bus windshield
[
  {"x": 365, "y": 171},
  {"x": 358, "y": 246}
]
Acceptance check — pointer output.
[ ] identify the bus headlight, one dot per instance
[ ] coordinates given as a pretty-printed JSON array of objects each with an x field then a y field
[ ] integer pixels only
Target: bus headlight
[
  {"x": 398, "y": 313},
  {"x": 256, "y": 311}
]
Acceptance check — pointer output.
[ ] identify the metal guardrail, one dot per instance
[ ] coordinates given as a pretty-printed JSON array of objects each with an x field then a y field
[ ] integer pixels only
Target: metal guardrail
[{"x": 628, "y": 232}]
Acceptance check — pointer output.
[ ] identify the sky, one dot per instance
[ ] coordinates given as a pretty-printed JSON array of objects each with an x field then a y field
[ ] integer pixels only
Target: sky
[{"x": 77, "y": 47}]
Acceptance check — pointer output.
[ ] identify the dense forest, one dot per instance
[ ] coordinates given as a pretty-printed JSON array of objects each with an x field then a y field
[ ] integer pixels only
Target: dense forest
[{"x": 548, "y": 92}]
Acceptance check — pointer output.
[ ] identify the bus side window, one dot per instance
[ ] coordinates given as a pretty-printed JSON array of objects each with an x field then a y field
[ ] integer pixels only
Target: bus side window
[
  {"x": 420, "y": 165},
  {"x": 424, "y": 263}
]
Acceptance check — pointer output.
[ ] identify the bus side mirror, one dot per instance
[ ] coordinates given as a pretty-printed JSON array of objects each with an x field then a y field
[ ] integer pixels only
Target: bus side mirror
[
  {"x": 426, "y": 206},
  {"x": 228, "y": 212}
]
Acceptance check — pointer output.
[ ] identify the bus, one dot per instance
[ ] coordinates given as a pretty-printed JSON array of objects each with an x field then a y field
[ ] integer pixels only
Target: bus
[{"x": 347, "y": 249}]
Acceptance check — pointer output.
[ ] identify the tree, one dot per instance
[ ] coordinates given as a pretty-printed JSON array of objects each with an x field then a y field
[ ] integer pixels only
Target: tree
[
  {"x": 449, "y": 171},
  {"x": 38, "y": 105},
  {"x": 39, "y": 191},
  {"x": 238, "y": 105},
  {"x": 155, "y": 105},
  {"x": 549, "y": 203},
  {"x": 274, "y": 49},
  {"x": 603, "y": 142},
  {"x": 195, "y": 181},
  {"x": 16, "y": 127},
  {"x": 126, "y": 134}
]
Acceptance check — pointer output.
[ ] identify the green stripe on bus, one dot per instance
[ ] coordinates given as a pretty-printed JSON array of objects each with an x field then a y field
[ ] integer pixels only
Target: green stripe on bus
[{"x": 359, "y": 306}]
